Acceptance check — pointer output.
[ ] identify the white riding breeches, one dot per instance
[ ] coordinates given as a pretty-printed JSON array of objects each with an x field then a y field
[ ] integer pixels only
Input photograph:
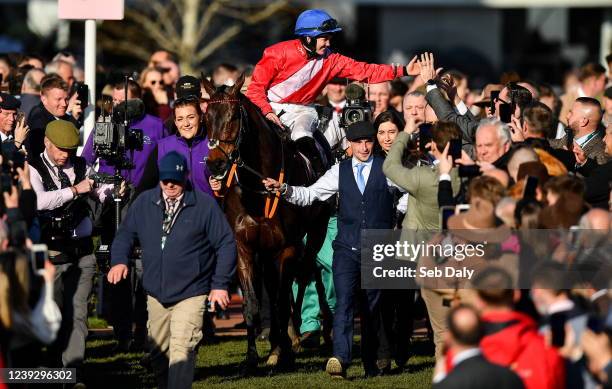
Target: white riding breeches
[{"x": 301, "y": 119}]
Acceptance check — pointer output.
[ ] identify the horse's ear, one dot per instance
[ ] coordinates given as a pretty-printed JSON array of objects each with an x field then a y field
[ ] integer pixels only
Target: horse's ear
[
  {"x": 234, "y": 89},
  {"x": 207, "y": 85}
]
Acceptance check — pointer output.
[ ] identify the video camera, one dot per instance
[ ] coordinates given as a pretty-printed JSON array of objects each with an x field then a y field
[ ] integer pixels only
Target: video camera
[
  {"x": 357, "y": 108},
  {"x": 113, "y": 138}
]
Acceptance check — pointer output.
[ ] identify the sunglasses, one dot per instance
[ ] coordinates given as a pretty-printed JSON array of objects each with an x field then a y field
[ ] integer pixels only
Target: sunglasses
[{"x": 154, "y": 82}]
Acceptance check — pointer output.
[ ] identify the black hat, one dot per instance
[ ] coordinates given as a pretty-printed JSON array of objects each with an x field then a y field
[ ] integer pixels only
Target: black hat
[
  {"x": 339, "y": 80},
  {"x": 9, "y": 102},
  {"x": 188, "y": 86},
  {"x": 360, "y": 130},
  {"x": 608, "y": 92}
]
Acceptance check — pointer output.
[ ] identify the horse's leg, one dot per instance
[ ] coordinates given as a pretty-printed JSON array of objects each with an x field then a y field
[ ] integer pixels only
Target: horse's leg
[
  {"x": 282, "y": 355},
  {"x": 246, "y": 276}
]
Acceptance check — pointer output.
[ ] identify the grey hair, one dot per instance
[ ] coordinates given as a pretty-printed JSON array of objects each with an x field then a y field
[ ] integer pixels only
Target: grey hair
[
  {"x": 53, "y": 66},
  {"x": 503, "y": 131},
  {"x": 30, "y": 82}
]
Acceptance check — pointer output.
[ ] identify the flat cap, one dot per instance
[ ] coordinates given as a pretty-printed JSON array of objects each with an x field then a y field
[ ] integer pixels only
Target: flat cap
[
  {"x": 360, "y": 130},
  {"x": 63, "y": 134},
  {"x": 9, "y": 102}
]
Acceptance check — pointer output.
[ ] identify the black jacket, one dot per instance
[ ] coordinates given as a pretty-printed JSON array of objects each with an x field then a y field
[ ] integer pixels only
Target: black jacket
[
  {"x": 478, "y": 373},
  {"x": 37, "y": 121},
  {"x": 597, "y": 179}
]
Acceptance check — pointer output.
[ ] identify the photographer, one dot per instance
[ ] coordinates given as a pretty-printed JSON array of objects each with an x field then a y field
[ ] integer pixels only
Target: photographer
[
  {"x": 60, "y": 180},
  {"x": 152, "y": 128}
]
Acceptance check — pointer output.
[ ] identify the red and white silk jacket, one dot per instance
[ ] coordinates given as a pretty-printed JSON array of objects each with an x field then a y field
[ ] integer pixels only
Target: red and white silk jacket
[{"x": 285, "y": 74}]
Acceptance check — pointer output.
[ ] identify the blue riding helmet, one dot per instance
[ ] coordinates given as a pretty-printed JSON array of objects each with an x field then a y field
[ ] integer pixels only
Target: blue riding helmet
[{"x": 315, "y": 22}]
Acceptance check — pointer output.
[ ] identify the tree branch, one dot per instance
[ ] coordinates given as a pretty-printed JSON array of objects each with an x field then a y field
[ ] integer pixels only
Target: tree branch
[
  {"x": 125, "y": 47},
  {"x": 167, "y": 42},
  {"x": 217, "y": 42},
  {"x": 210, "y": 12},
  {"x": 163, "y": 13},
  {"x": 235, "y": 29}
]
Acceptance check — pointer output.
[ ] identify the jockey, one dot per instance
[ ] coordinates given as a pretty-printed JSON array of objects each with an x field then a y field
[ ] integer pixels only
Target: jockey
[{"x": 292, "y": 74}]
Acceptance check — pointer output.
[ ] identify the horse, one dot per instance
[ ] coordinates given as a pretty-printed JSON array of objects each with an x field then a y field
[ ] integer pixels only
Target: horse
[{"x": 244, "y": 149}]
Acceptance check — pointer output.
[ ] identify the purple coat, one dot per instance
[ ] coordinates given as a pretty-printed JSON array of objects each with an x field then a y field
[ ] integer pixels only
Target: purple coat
[
  {"x": 195, "y": 155},
  {"x": 153, "y": 131}
]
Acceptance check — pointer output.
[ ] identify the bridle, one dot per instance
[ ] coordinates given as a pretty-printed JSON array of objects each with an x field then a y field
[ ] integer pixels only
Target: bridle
[
  {"x": 234, "y": 161},
  {"x": 234, "y": 156}
]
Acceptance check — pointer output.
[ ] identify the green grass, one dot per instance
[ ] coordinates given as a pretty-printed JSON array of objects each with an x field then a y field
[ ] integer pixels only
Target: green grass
[{"x": 218, "y": 366}]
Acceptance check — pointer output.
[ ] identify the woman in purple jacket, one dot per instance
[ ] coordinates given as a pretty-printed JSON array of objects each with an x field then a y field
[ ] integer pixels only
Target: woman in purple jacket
[{"x": 190, "y": 141}]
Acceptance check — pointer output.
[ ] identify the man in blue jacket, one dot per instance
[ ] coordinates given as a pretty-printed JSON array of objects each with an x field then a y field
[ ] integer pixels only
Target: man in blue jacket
[{"x": 189, "y": 256}]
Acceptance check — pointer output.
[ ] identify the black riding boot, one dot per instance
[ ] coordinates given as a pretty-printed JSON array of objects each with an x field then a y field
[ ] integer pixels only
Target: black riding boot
[{"x": 307, "y": 146}]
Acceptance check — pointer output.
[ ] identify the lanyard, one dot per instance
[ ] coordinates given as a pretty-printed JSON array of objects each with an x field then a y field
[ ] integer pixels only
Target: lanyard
[
  {"x": 53, "y": 170},
  {"x": 588, "y": 139},
  {"x": 167, "y": 229}
]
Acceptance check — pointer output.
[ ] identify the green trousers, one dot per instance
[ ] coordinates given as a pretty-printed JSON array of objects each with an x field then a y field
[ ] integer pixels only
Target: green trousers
[{"x": 310, "y": 305}]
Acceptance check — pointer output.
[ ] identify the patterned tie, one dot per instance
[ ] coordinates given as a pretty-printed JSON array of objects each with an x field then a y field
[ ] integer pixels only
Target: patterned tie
[
  {"x": 63, "y": 177},
  {"x": 169, "y": 212},
  {"x": 360, "y": 181}
]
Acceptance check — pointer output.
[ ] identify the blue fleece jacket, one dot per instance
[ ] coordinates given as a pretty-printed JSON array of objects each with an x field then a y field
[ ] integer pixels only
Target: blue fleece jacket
[{"x": 199, "y": 253}]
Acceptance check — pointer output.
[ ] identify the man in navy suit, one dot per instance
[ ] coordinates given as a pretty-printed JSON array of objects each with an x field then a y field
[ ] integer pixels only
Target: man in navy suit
[{"x": 365, "y": 203}]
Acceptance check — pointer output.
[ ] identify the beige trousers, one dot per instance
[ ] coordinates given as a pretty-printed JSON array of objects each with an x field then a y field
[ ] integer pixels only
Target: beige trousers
[
  {"x": 437, "y": 313},
  {"x": 174, "y": 332}
]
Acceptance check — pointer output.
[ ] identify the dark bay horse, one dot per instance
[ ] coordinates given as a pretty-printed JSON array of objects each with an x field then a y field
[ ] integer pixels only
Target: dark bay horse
[{"x": 244, "y": 149}]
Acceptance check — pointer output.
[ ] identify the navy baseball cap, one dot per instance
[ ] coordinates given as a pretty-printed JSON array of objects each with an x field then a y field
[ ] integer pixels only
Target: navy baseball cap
[{"x": 173, "y": 167}]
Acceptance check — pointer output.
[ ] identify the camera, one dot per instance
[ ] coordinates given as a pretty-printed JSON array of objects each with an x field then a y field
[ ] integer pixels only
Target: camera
[
  {"x": 357, "y": 108},
  {"x": 113, "y": 138}
]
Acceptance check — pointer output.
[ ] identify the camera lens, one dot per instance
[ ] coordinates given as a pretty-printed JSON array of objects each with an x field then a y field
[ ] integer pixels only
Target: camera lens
[{"x": 354, "y": 116}]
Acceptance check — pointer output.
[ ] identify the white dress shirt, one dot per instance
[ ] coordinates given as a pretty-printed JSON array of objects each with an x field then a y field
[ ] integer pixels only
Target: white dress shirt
[
  {"x": 4, "y": 136},
  {"x": 50, "y": 200},
  {"x": 583, "y": 140},
  {"x": 326, "y": 186}
]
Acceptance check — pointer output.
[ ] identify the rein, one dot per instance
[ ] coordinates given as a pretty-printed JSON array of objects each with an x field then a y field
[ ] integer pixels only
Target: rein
[{"x": 236, "y": 162}]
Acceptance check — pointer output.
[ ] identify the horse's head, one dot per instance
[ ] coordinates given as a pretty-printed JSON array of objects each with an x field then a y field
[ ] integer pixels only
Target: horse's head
[{"x": 224, "y": 125}]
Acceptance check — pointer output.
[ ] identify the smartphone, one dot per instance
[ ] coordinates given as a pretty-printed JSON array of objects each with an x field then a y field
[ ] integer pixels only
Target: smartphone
[
  {"x": 20, "y": 116},
  {"x": 445, "y": 213},
  {"x": 460, "y": 208},
  {"x": 454, "y": 150},
  {"x": 38, "y": 255},
  {"x": 531, "y": 184},
  {"x": 83, "y": 95},
  {"x": 505, "y": 112},
  {"x": 494, "y": 95},
  {"x": 557, "y": 329},
  {"x": 424, "y": 135}
]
